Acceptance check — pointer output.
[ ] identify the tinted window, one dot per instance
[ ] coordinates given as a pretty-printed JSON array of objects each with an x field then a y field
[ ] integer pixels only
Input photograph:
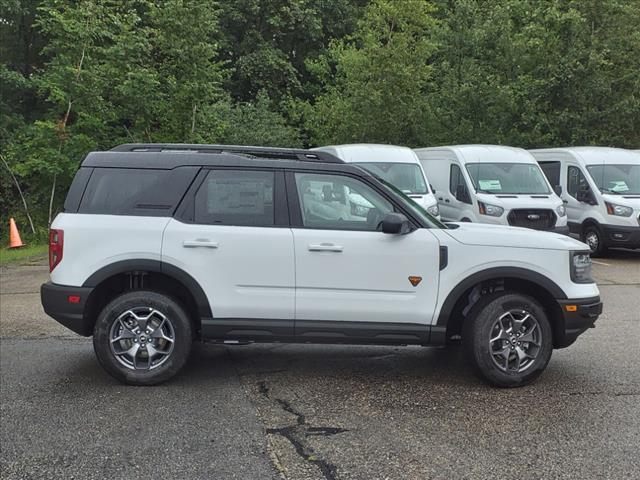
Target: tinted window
[
  {"x": 552, "y": 171},
  {"x": 336, "y": 202},
  {"x": 456, "y": 180},
  {"x": 236, "y": 197},
  {"x": 131, "y": 191},
  {"x": 575, "y": 181}
]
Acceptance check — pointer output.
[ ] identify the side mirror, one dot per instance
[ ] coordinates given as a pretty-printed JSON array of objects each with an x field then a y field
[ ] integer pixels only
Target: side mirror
[
  {"x": 395, "y": 224},
  {"x": 558, "y": 190},
  {"x": 433, "y": 190}
]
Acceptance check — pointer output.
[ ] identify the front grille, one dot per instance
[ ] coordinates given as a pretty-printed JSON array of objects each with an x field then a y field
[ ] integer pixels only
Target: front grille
[{"x": 532, "y": 218}]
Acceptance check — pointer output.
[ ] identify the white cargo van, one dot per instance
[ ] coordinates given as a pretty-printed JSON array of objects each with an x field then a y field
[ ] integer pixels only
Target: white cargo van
[
  {"x": 601, "y": 190},
  {"x": 397, "y": 165},
  {"x": 492, "y": 184}
]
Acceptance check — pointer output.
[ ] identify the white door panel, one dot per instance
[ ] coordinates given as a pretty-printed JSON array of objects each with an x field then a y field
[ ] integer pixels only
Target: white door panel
[
  {"x": 364, "y": 276},
  {"x": 246, "y": 272}
]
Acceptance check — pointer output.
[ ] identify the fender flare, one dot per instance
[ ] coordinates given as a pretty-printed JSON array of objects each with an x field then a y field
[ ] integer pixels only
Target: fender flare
[
  {"x": 490, "y": 274},
  {"x": 145, "y": 265}
]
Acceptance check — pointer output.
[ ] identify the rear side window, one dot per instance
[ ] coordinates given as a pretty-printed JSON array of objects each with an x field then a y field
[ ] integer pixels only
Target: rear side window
[
  {"x": 236, "y": 197},
  {"x": 131, "y": 191}
]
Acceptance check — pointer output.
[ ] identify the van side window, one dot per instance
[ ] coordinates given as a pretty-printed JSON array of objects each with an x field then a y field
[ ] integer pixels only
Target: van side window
[
  {"x": 575, "y": 181},
  {"x": 457, "y": 184},
  {"x": 551, "y": 170},
  {"x": 236, "y": 197}
]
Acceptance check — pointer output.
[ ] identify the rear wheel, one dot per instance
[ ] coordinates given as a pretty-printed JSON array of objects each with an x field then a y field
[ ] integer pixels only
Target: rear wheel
[
  {"x": 142, "y": 337},
  {"x": 507, "y": 338},
  {"x": 593, "y": 237}
]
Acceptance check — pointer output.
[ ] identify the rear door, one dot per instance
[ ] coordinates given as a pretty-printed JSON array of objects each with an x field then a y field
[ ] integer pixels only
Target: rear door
[
  {"x": 233, "y": 237},
  {"x": 352, "y": 280}
]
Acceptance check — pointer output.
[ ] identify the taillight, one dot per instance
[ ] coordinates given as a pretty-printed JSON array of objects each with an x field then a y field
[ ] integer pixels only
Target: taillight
[{"x": 56, "y": 244}]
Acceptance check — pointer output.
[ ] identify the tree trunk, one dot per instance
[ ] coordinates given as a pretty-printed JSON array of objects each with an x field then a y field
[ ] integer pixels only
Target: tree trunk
[{"x": 24, "y": 201}]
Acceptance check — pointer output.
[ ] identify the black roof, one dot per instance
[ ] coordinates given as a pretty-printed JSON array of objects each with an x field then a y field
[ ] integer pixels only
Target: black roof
[{"x": 169, "y": 156}]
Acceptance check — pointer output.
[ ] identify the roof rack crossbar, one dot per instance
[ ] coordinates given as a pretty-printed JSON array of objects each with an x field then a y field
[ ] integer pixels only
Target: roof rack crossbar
[{"x": 260, "y": 152}]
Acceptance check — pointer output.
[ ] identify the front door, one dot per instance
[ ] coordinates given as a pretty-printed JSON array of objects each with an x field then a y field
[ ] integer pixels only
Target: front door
[
  {"x": 353, "y": 280},
  {"x": 236, "y": 243}
]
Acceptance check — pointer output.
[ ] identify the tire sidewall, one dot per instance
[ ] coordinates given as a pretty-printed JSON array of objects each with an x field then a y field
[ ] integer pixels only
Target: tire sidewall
[
  {"x": 166, "y": 305},
  {"x": 482, "y": 318},
  {"x": 601, "y": 246}
]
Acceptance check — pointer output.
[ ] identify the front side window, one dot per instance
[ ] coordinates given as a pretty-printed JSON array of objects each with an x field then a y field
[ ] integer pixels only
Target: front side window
[
  {"x": 337, "y": 202},
  {"x": 236, "y": 197},
  {"x": 576, "y": 181},
  {"x": 406, "y": 177},
  {"x": 458, "y": 185},
  {"x": 508, "y": 178},
  {"x": 616, "y": 179}
]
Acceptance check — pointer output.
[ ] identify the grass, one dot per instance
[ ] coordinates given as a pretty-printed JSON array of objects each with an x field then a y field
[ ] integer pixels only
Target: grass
[{"x": 22, "y": 254}]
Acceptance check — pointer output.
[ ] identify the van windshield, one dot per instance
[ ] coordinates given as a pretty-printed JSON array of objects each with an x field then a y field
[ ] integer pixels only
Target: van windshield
[
  {"x": 508, "y": 178},
  {"x": 407, "y": 177},
  {"x": 616, "y": 179}
]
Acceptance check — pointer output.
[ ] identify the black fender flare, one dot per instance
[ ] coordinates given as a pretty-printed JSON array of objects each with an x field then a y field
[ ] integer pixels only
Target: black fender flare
[
  {"x": 494, "y": 273},
  {"x": 146, "y": 265}
]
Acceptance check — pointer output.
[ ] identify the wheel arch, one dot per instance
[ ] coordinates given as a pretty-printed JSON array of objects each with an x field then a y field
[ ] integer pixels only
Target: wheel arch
[
  {"x": 129, "y": 275},
  {"x": 458, "y": 302}
]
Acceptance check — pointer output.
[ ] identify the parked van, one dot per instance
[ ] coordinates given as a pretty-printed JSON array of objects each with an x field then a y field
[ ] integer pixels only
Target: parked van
[
  {"x": 492, "y": 184},
  {"x": 601, "y": 191},
  {"x": 397, "y": 165}
]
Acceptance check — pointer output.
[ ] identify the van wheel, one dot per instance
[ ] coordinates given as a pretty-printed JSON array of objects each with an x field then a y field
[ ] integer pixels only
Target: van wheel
[
  {"x": 507, "y": 339},
  {"x": 142, "y": 337},
  {"x": 592, "y": 236}
]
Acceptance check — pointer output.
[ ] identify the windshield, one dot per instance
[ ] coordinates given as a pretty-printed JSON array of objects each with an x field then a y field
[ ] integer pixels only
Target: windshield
[
  {"x": 508, "y": 178},
  {"x": 616, "y": 179},
  {"x": 416, "y": 209},
  {"x": 407, "y": 177}
]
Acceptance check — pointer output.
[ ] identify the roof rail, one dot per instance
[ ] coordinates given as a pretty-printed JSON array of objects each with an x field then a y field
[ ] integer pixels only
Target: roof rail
[{"x": 261, "y": 152}]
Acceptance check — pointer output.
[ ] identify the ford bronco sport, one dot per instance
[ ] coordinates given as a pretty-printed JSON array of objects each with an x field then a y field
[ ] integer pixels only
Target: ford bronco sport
[{"x": 159, "y": 245}]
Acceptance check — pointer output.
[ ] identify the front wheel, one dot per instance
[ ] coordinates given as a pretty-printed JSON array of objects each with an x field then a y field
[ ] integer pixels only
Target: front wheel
[
  {"x": 507, "y": 339},
  {"x": 142, "y": 337},
  {"x": 593, "y": 237}
]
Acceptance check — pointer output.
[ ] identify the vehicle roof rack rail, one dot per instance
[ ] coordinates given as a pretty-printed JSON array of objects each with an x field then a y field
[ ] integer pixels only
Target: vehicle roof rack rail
[{"x": 260, "y": 152}]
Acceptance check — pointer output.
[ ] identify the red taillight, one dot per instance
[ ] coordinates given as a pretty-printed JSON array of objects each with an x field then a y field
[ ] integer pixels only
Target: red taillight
[{"x": 56, "y": 244}]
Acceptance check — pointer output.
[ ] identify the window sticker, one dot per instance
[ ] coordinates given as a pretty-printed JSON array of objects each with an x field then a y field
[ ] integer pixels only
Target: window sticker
[
  {"x": 490, "y": 185},
  {"x": 618, "y": 186}
]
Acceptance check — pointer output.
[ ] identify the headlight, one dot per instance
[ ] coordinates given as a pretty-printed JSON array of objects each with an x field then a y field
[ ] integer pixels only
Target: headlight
[
  {"x": 433, "y": 210},
  {"x": 491, "y": 210},
  {"x": 561, "y": 211},
  {"x": 618, "y": 210},
  {"x": 581, "y": 267}
]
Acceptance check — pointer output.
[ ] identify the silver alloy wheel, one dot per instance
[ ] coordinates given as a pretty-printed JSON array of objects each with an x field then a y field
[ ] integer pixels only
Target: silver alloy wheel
[
  {"x": 515, "y": 341},
  {"x": 592, "y": 240},
  {"x": 142, "y": 338}
]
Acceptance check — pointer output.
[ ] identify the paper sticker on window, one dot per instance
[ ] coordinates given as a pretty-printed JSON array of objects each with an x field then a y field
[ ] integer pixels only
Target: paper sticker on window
[
  {"x": 490, "y": 185},
  {"x": 618, "y": 186}
]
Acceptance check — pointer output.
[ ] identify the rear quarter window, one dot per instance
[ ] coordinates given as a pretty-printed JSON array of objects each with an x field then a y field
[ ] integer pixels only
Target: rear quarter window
[{"x": 132, "y": 191}]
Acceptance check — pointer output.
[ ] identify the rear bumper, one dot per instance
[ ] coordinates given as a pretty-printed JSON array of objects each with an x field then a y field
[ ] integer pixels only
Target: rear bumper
[
  {"x": 617, "y": 236},
  {"x": 578, "y": 315},
  {"x": 56, "y": 304}
]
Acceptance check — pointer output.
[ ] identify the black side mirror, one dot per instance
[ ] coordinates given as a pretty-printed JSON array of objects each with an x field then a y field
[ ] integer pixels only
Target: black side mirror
[
  {"x": 558, "y": 190},
  {"x": 395, "y": 224},
  {"x": 433, "y": 190}
]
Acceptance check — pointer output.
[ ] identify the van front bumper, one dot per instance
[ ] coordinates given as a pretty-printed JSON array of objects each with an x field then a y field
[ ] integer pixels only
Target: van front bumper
[
  {"x": 578, "y": 316},
  {"x": 617, "y": 236},
  {"x": 564, "y": 230},
  {"x": 66, "y": 305}
]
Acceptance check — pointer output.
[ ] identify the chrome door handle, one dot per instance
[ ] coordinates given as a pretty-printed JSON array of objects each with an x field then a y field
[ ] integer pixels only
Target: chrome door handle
[
  {"x": 325, "y": 247},
  {"x": 199, "y": 243}
]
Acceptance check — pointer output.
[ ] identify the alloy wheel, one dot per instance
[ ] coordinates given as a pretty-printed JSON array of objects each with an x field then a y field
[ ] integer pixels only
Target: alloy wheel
[{"x": 515, "y": 341}]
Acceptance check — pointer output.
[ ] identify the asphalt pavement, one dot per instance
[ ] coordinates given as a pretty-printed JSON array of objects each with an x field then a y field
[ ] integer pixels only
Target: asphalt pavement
[{"x": 319, "y": 412}]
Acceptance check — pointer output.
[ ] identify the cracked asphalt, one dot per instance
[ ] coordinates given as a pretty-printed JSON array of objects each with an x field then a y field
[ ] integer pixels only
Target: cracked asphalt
[{"x": 319, "y": 412}]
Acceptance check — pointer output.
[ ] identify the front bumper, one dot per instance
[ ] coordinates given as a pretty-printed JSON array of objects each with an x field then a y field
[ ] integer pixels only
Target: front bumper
[
  {"x": 617, "y": 236},
  {"x": 564, "y": 230},
  {"x": 578, "y": 316},
  {"x": 56, "y": 301}
]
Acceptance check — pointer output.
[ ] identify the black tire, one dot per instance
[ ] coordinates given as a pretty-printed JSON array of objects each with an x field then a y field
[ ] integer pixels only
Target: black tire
[
  {"x": 180, "y": 325},
  {"x": 477, "y": 331},
  {"x": 592, "y": 236}
]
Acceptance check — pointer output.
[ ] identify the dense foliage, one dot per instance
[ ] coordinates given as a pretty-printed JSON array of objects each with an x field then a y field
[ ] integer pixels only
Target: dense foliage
[{"x": 77, "y": 75}]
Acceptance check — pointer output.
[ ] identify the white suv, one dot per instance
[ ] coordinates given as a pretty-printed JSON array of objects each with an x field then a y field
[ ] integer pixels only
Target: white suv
[{"x": 163, "y": 244}]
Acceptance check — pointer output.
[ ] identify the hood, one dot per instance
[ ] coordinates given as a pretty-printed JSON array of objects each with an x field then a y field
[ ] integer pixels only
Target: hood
[
  {"x": 483, "y": 234},
  {"x": 541, "y": 201},
  {"x": 632, "y": 201}
]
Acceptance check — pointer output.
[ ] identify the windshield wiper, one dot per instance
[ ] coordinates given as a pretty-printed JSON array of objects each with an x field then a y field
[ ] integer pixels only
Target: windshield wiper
[{"x": 606, "y": 190}]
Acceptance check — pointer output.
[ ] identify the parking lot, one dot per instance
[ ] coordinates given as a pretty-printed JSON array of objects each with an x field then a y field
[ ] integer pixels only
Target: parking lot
[{"x": 325, "y": 412}]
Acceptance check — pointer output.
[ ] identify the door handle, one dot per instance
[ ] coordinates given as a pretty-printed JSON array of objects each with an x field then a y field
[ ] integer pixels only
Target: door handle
[
  {"x": 199, "y": 243},
  {"x": 325, "y": 247}
]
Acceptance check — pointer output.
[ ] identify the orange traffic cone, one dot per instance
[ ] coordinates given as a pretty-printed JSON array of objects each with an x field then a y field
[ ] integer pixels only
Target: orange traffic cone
[{"x": 14, "y": 236}]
